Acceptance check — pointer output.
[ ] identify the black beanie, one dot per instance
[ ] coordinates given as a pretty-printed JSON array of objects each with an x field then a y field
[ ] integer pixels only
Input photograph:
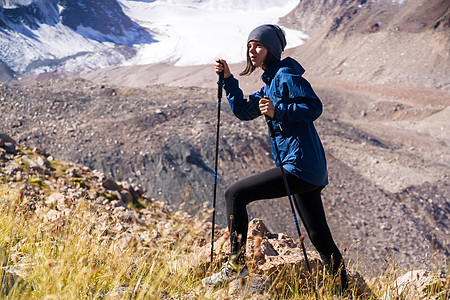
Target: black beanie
[{"x": 271, "y": 36}]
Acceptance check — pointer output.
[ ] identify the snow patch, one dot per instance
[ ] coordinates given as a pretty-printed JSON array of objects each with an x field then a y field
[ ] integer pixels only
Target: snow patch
[
  {"x": 182, "y": 33},
  {"x": 196, "y": 32}
]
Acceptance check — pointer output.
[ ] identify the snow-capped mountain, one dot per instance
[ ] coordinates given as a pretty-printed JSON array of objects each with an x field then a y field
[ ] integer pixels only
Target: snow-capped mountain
[
  {"x": 81, "y": 35},
  {"x": 42, "y": 35}
]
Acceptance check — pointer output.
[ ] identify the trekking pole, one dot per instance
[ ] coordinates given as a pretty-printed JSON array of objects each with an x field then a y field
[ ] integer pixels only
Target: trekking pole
[
  {"x": 288, "y": 191},
  {"x": 219, "y": 97}
]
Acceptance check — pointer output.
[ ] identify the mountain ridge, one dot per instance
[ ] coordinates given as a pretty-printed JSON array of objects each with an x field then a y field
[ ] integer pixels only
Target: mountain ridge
[{"x": 376, "y": 42}]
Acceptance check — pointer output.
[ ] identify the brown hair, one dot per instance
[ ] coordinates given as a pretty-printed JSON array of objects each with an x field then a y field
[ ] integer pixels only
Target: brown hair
[{"x": 269, "y": 62}]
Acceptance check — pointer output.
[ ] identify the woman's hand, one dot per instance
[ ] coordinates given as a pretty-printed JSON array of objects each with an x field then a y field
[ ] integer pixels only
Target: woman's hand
[
  {"x": 266, "y": 107},
  {"x": 221, "y": 65}
]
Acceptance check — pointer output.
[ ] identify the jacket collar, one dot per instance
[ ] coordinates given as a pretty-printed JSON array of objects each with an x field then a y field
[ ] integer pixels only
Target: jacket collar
[
  {"x": 268, "y": 75},
  {"x": 289, "y": 62}
]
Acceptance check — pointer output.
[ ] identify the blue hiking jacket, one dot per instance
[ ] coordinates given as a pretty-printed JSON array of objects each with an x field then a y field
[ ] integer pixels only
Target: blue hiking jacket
[{"x": 296, "y": 107}]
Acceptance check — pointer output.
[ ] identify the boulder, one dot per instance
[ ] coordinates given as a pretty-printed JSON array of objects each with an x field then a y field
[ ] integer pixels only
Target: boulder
[
  {"x": 54, "y": 199},
  {"x": 249, "y": 285},
  {"x": 11, "y": 168},
  {"x": 52, "y": 216},
  {"x": 266, "y": 253},
  {"x": 4, "y": 138},
  {"x": 268, "y": 256},
  {"x": 7, "y": 143},
  {"x": 126, "y": 197},
  {"x": 110, "y": 184},
  {"x": 417, "y": 284},
  {"x": 10, "y": 280},
  {"x": 34, "y": 165}
]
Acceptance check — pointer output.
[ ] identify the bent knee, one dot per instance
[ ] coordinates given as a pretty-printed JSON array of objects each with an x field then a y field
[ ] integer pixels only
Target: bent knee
[
  {"x": 231, "y": 193},
  {"x": 234, "y": 195}
]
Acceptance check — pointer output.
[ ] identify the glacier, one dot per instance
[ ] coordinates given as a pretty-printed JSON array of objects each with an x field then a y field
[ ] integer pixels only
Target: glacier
[{"x": 177, "y": 32}]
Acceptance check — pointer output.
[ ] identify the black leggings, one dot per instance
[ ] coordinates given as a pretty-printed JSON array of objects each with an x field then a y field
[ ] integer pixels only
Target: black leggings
[{"x": 307, "y": 200}]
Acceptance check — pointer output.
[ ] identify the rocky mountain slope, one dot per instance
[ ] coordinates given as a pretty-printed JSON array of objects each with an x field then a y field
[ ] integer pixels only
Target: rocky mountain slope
[
  {"x": 396, "y": 43},
  {"x": 381, "y": 69},
  {"x": 64, "y": 224},
  {"x": 387, "y": 198}
]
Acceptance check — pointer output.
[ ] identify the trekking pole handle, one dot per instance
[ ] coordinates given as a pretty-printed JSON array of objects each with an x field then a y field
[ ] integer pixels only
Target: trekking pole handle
[{"x": 220, "y": 82}]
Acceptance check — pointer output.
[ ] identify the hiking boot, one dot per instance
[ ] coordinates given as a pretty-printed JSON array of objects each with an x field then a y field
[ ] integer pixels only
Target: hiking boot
[{"x": 227, "y": 273}]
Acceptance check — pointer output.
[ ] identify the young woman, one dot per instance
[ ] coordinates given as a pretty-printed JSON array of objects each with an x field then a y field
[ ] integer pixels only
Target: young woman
[{"x": 288, "y": 99}]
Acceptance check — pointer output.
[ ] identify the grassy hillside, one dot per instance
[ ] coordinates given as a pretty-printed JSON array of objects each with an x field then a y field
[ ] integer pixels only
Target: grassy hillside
[{"x": 70, "y": 233}]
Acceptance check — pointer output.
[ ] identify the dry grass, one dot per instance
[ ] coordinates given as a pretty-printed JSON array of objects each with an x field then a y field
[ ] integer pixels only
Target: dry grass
[{"x": 76, "y": 259}]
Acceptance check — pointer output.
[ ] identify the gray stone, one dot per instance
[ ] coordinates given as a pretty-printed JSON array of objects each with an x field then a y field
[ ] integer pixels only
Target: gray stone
[
  {"x": 54, "y": 199},
  {"x": 126, "y": 196},
  {"x": 415, "y": 284},
  {"x": 250, "y": 285},
  {"x": 10, "y": 280},
  {"x": 110, "y": 184}
]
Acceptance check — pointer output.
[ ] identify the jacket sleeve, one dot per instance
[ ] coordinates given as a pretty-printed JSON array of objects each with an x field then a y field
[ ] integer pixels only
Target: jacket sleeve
[
  {"x": 242, "y": 108},
  {"x": 298, "y": 100}
]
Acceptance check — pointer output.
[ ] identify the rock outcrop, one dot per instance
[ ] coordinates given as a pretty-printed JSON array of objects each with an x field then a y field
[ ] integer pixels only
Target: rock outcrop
[
  {"x": 418, "y": 284},
  {"x": 272, "y": 259}
]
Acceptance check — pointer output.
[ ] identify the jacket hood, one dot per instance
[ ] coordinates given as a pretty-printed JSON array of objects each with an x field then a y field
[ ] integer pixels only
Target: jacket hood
[{"x": 288, "y": 62}]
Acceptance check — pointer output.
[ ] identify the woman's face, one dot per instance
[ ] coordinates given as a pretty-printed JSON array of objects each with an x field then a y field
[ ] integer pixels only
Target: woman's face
[{"x": 257, "y": 53}]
